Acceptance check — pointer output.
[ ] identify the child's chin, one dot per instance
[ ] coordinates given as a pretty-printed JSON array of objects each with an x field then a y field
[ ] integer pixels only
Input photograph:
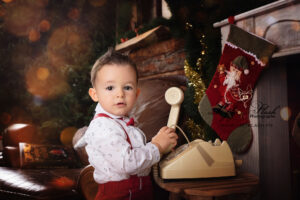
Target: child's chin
[{"x": 120, "y": 113}]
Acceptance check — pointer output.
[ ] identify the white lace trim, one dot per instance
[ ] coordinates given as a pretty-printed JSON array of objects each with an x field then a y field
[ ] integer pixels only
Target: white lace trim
[{"x": 247, "y": 52}]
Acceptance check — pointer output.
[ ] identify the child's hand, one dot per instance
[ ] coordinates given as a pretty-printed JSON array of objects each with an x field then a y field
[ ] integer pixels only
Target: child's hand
[{"x": 165, "y": 138}]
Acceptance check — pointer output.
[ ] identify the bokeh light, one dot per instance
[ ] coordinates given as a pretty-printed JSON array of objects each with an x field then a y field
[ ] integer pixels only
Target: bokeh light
[
  {"x": 34, "y": 35},
  {"x": 97, "y": 3},
  {"x": 20, "y": 18},
  {"x": 285, "y": 113},
  {"x": 69, "y": 46},
  {"x": 7, "y": 1},
  {"x": 37, "y": 101},
  {"x": 66, "y": 136},
  {"x": 42, "y": 73},
  {"x": 44, "y": 25},
  {"x": 44, "y": 81}
]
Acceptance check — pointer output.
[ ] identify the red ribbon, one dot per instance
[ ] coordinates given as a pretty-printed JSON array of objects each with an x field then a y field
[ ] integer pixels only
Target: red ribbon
[
  {"x": 231, "y": 20},
  {"x": 130, "y": 122}
]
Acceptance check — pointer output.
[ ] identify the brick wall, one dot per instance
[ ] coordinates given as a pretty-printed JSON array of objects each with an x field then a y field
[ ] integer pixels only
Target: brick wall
[{"x": 161, "y": 58}]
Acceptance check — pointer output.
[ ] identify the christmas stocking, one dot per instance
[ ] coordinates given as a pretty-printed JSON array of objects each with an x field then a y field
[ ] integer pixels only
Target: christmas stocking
[{"x": 225, "y": 106}]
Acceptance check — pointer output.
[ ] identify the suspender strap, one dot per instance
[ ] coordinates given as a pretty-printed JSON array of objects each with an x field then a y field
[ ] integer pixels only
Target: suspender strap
[{"x": 107, "y": 116}]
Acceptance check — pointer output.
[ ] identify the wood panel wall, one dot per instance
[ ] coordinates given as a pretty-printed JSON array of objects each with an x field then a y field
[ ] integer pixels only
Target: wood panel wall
[{"x": 274, "y": 156}]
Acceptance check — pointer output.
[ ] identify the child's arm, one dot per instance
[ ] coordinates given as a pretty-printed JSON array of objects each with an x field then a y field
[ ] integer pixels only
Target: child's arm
[
  {"x": 164, "y": 138},
  {"x": 110, "y": 152}
]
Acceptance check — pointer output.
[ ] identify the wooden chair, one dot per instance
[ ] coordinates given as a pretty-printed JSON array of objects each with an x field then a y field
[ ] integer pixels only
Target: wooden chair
[{"x": 86, "y": 183}]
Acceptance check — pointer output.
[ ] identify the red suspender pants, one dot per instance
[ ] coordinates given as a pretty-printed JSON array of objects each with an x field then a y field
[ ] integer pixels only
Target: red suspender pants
[{"x": 134, "y": 188}]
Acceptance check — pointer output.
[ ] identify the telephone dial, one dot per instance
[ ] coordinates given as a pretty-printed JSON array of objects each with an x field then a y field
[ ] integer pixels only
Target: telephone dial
[{"x": 196, "y": 159}]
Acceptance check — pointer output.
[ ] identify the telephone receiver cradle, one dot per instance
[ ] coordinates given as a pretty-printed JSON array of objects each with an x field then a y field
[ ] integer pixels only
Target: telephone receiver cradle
[{"x": 196, "y": 159}]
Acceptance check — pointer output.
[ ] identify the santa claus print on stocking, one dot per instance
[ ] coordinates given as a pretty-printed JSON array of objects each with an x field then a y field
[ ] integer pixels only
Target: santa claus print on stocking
[
  {"x": 225, "y": 106},
  {"x": 229, "y": 89}
]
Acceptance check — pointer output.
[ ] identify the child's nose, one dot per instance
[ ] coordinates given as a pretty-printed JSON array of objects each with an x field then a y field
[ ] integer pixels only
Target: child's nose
[{"x": 120, "y": 93}]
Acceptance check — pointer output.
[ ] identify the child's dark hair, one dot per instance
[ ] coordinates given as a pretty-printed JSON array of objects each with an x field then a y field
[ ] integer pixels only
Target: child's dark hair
[{"x": 111, "y": 57}]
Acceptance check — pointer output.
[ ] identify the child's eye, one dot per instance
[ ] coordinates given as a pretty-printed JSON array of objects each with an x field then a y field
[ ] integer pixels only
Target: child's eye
[
  {"x": 109, "y": 88},
  {"x": 128, "y": 87}
]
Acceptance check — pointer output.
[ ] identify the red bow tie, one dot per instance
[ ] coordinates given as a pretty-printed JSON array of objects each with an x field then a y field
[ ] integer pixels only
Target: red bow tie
[{"x": 130, "y": 122}]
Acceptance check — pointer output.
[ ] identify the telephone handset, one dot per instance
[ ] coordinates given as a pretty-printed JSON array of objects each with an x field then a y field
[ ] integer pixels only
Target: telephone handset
[
  {"x": 196, "y": 159},
  {"x": 173, "y": 96}
]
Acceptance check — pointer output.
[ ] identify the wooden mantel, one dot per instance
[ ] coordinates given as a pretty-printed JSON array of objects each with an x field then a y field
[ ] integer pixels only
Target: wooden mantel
[
  {"x": 278, "y": 22},
  {"x": 156, "y": 34}
]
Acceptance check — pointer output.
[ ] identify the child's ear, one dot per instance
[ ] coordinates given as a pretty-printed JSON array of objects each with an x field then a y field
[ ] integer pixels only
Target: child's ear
[
  {"x": 93, "y": 94},
  {"x": 138, "y": 91}
]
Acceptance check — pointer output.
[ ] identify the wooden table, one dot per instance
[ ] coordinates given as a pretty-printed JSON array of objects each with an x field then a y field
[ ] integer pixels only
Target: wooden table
[{"x": 241, "y": 186}]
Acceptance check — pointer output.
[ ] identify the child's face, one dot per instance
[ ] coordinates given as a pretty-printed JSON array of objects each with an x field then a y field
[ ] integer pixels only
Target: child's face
[{"x": 115, "y": 89}]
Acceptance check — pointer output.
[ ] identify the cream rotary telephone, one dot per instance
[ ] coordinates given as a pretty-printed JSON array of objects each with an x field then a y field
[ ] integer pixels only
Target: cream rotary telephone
[{"x": 196, "y": 159}]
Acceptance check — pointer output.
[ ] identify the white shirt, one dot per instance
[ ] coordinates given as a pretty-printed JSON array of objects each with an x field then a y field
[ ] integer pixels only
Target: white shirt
[{"x": 110, "y": 153}]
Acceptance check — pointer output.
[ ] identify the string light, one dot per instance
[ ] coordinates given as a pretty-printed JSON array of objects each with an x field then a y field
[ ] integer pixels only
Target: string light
[{"x": 188, "y": 26}]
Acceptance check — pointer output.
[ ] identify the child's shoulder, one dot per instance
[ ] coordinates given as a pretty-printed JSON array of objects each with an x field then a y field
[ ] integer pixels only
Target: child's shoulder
[
  {"x": 99, "y": 121},
  {"x": 104, "y": 126},
  {"x": 105, "y": 122}
]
